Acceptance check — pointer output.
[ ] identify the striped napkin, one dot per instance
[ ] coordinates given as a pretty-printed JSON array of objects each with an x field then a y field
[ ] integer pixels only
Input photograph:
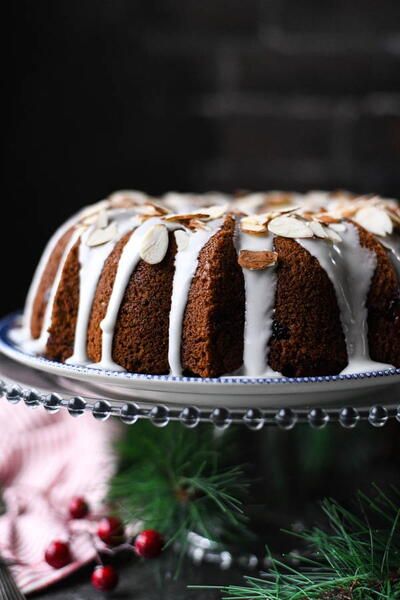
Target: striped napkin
[{"x": 45, "y": 460}]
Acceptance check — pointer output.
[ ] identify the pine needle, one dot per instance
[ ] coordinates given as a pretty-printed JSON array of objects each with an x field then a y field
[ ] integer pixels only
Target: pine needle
[
  {"x": 178, "y": 481},
  {"x": 357, "y": 557}
]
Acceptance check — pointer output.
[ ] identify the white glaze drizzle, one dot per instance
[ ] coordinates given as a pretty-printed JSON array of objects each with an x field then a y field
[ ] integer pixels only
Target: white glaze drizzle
[
  {"x": 186, "y": 262},
  {"x": 38, "y": 346},
  {"x": 350, "y": 268},
  {"x": 128, "y": 262},
  {"x": 392, "y": 243},
  {"x": 260, "y": 287},
  {"x": 92, "y": 261},
  {"x": 24, "y": 333}
]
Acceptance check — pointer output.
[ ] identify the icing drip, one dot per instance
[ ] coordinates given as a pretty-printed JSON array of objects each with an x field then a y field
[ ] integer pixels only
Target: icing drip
[
  {"x": 92, "y": 261},
  {"x": 24, "y": 333},
  {"x": 350, "y": 268},
  {"x": 39, "y": 345},
  {"x": 185, "y": 268},
  {"x": 260, "y": 289},
  {"x": 392, "y": 243},
  {"x": 128, "y": 262}
]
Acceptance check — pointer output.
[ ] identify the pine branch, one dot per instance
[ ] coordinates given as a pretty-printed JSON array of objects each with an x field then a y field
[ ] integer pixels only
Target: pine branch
[
  {"x": 355, "y": 558},
  {"x": 177, "y": 481}
]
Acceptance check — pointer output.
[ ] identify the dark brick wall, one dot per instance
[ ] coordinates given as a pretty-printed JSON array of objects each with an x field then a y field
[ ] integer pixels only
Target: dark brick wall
[{"x": 193, "y": 94}]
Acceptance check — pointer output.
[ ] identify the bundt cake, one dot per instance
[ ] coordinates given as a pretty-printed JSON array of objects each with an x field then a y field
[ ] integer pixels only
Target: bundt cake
[{"x": 255, "y": 284}]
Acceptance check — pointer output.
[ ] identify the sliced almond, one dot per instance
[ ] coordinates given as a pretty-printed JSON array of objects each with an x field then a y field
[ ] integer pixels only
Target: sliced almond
[
  {"x": 278, "y": 198},
  {"x": 374, "y": 220},
  {"x": 395, "y": 216},
  {"x": 338, "y": 227},
  {"x": 94, "y": 209},
  {"x": 253, "y": 228},
  {"x": 286, "y": 209},
  {"x": 332, "y": 235},
  {"x": 326, "y": 218},
  {"x": 217, "y": 211},
  {"x": 290, "y": 227},
  {"x": 154, "y": 244},
  {"x": 308, "y": 216},
  {"x": 198, "y": 224},
  {"x": 183, "y": 217},
  {"x": 102, "y": 220},
  {"x": 126, "y": 199},
  {"x": 91, "y": 220},
  {"x": 182, "y": 239},
  {"x": 152, "y": 209},
  {"x": 263, "y": 218},
  {"x": 318, "y": 229},
  {"x": 98, "y": 237},
  {"x": 257, "y": 260}
]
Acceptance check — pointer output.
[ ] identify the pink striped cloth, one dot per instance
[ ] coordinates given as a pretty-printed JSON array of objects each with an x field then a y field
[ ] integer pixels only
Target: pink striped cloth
[{"x": 45, "y": 460}]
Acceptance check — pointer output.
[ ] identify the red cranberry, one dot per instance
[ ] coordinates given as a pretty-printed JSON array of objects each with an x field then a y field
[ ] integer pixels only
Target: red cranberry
[
  {"x": 78, "y": 508},
  {"x": 149, "y": 544},
  {"x": 111, "y": 531},
  {"x": 104, "y": 578},
  {"x": 58, "y": 554}
]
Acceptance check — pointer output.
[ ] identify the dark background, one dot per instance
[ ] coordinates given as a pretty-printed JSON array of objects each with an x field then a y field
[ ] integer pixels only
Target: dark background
[{"x": 190, "y": 95}]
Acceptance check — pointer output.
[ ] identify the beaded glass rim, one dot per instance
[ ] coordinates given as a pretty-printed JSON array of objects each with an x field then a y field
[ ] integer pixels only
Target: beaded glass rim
[{"x": 10, "y": 322}]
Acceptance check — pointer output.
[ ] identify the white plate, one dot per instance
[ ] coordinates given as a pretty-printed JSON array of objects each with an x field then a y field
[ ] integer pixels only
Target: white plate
[{"x": 231, "y": 392}]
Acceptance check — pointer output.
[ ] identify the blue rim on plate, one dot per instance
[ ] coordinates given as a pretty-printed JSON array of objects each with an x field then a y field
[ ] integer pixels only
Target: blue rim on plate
[{"x": 8, "y": 323}]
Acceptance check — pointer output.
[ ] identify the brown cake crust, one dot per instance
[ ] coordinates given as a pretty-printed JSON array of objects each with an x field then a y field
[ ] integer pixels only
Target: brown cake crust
[
  {"x": 48, "y": 276},
  {"x": 212, "y": 337},
  {"x": 383, "y": 305},
  {"x": 140, "y": 341},
  {"x": 60, "y": 344},
  {"x": 307, "y": 333}
]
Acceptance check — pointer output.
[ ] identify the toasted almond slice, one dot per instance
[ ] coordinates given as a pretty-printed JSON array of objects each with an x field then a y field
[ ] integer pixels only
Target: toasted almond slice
[
  {"x": 102, "y": 220},
  {"x": 154, "y": 244},
  {"x": 394, "y": 215},
  {"x": 374, "y": 220},
  {"x": 98, "y": 237},
  {"x": 253, "y": 219},
  {"x": 318, "y": 229},
  {"x": 348, "y": 213},
  {"x": 186, "y": 216},
  {"x": 198, "y": 224},
  {"x": 338, "y": 227},
  {"x": 286, "y": 209},
  {"x": 290, "y": 227},
  {"x": 217, "y": 211},
  {"x": 152, "y": 209},
  {"x": 257, "y": 260},
  {"x": 161, "y": 209},
  {"x": 306, "y": 215},
  {"x": 94, "y": 209},
  {"x": 278, "y": 198},
  {"x": 326, "y": 218},
  {"x": 146, "y": 210},
  {"x": 332, "y": 235},
  {"x": 127, "y": 199},
  {"x": 265, "y": 218},
  {"x": 91, "y": 220},
  {"x": 253, "y": 228},
  {"x": 182, "y": 239}
]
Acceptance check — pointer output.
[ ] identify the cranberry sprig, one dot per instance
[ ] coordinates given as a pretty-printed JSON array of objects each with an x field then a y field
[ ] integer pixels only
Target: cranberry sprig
[{"x": 148, "y": 544}]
